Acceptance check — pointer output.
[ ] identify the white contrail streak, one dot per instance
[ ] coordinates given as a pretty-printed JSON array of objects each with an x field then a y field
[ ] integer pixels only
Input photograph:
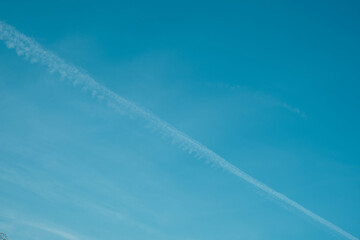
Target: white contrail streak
[{"x": 33, "y": 52}]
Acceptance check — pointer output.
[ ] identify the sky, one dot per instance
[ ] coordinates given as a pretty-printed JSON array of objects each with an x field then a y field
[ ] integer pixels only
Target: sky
[{"x": 272, "y": 87}]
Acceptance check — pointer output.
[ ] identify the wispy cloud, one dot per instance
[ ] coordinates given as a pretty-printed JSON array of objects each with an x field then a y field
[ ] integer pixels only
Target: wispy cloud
[
  {"x": 23, "y": 176},
  {"x": 35, "y": 53},
  {"x": 53, "y": 230},
  {"x": 277, "y": 103},
  {"x": 19, "y": 221},
  {"x": 260, "y": 96}
]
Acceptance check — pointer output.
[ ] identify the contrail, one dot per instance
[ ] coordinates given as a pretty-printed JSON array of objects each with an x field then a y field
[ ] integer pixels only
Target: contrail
[{"x": 33, "y": 52}]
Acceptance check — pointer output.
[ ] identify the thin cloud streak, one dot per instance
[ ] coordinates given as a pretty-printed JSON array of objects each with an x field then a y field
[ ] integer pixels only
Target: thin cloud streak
[
  {"x": 46, "y": 227},
  {"x": 32, "y": 51},
  {"x": 262, "y": 97},
  {"x": 54, "y": 191},
  {"x": 56, "y": 231}
]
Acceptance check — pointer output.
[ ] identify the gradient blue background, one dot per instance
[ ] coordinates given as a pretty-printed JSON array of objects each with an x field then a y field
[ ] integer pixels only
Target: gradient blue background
[{"x": 272, "y": 86}]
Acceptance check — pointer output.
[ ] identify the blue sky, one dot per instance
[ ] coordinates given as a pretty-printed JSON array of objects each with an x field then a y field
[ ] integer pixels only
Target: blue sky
[{"x": 271, "y": 87}]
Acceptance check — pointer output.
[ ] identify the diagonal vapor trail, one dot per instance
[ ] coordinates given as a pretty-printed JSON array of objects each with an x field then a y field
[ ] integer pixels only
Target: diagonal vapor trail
[{"x": 33, "y": 52}]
